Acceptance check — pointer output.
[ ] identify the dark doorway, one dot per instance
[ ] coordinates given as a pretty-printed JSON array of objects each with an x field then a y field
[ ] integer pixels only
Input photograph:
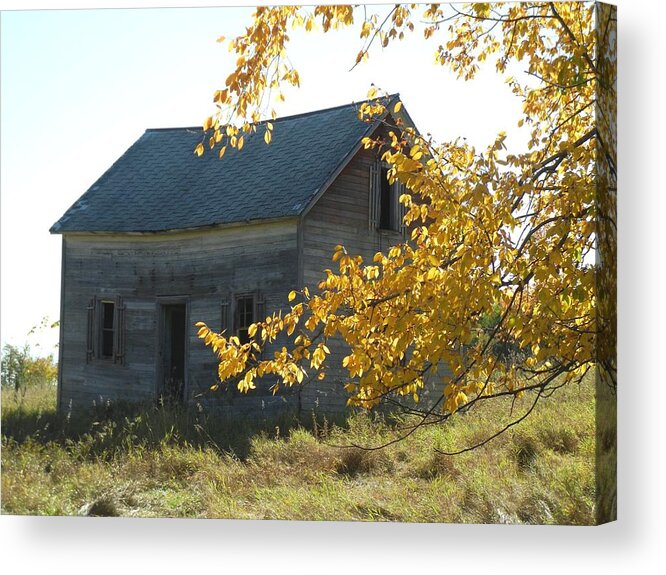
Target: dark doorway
[{"x": 173, "y": 353}]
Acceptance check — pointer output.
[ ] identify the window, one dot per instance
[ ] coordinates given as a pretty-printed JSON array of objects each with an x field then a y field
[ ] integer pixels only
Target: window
[
  {"x": 248, "y": 308},
  {"x": 105, "y": 338},
  {"x": 386, "y": 203},
  {"x": 385, "y": 210},
  {"x": 108, "y": 313},
  {"x": 245, "y": 315}
]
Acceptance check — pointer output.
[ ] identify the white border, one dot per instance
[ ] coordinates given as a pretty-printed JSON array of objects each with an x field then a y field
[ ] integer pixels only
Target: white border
[{"x": 633, "y": 544}]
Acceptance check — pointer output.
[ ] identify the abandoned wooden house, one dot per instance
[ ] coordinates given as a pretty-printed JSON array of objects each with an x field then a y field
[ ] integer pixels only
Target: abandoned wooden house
[{"x": 165, "y": 239}]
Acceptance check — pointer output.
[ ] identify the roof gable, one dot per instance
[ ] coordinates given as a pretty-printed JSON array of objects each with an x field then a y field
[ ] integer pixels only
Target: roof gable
[{"x": 159, "y": 184}]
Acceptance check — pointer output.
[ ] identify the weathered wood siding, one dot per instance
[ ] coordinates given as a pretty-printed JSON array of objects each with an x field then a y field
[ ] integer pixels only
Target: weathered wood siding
[
  {"x": 200, "y": 269},
  {"x": 341, "y": 216}
]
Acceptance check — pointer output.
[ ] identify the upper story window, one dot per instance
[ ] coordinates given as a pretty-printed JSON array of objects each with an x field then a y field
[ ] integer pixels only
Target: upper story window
[
  {"x": 385, "y": 210},
  {"x": 387, "y": 204}
]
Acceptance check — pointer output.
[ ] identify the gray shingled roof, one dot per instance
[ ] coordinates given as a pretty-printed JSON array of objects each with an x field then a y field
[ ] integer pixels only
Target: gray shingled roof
[{"x": 160, "y": 184}]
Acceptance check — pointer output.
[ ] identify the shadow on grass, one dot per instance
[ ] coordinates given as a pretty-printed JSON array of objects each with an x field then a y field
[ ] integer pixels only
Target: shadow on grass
[{"x": 119, "y": 427}]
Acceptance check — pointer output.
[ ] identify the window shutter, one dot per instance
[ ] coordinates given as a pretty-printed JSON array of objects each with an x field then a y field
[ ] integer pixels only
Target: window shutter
[
  {"x": 401, "y": 210},
  {"x": 260, "y": 314},
  {"x": 224, "y": 316},
  {"x": 395, "y": 215},
  {"x": 236, "y": 319},
  {"x": 119, "y": 332},
  {"x": 90, "y": 334},
  {"x": 374, "y": 194}
]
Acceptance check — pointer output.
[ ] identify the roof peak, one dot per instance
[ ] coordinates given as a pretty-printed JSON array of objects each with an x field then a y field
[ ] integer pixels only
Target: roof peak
[{"x": 388, "y": 98}]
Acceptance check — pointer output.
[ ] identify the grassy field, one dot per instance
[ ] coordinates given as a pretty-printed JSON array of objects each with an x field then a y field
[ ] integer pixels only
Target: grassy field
[{"x": 166, "y": 463}]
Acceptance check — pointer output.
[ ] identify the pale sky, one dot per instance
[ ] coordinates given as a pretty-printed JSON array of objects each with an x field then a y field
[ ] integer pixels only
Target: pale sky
[{"x": 78, "y": 87}]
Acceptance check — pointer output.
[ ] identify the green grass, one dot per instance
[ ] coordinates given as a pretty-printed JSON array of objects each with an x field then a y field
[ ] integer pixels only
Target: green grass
[{"x": 145, "y": 461}]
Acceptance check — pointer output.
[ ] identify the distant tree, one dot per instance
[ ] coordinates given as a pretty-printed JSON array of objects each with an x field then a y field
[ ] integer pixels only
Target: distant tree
[
  {"x": 20, "y": 370},
  {"x": 518, "y": 242}
]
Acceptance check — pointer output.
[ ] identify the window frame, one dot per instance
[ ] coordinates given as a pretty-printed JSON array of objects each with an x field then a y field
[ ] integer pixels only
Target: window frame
[
  {"x": 379, "y": 204},
  {"x": 103, "y": 330},
  {"x": 233, "y": 327},
  {"x": 238, "y": 312},
  {"x": 387, "y": 202},
  {"x": 95, "y": 340}
]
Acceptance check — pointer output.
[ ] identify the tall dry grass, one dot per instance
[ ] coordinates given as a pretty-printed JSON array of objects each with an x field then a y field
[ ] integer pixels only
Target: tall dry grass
[{"x": 152, "y": 461}]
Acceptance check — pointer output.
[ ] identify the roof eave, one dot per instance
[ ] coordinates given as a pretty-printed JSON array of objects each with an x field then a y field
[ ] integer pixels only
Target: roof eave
[{"x": 225, "y": 225}]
